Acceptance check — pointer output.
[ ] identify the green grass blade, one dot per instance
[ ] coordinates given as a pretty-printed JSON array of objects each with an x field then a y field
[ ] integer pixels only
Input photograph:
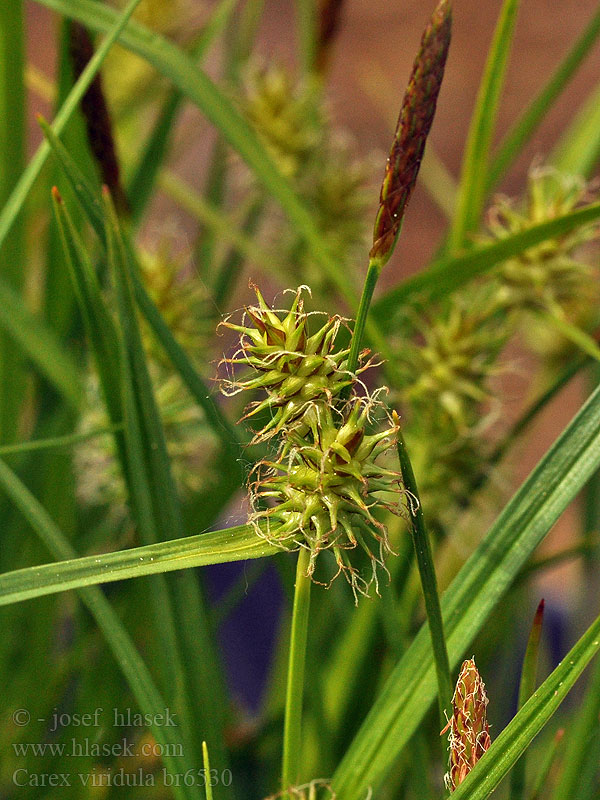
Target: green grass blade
[
  {"x": 580, "y": 736},
  {"x": 94, "y": 211},
  {"x": 540, "y": 789},
  {"x": 525, "y": 127},
  {"x": 53, "y": 442},
  {"x": 156, "y": 146},
  {"x": 219, "y": 109},
  {"x": 232, "y": 544},
  {"x": 529, "y": 721},
  {"x": 449, "y": 273},
  {"x": 117, "y": 638},
  {"x": 526, "y": 689},
  {"x": 13, "y": 144},
  {"x": 424, "y": 558},
  {"x": 474, "y": 171},
  {"x": 15, "y": 203},
  {"x": 470, "y": 599},
  {"x": 158, "y": 495},
  {"x": 578, "y": 150},
  {"x": 40, "y": 344}
]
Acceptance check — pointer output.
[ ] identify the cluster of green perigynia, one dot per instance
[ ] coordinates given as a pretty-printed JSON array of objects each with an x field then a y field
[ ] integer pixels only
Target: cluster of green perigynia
[
  {"x": 323, "y": 486},
  {"x": 548, "y": 276},
  {"x": 291, "y": 119},
  {"x": 297, "y": 370},
  {"x": 453, "y": 361},
  {"x": 284, "y": 114},
  {"x": 468, "y": 729},
  {"x": 182, "y": 302}
]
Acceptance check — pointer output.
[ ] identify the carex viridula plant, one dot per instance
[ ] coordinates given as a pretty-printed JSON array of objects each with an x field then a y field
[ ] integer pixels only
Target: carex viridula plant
[
  {"x": 468, "y": 729},
  {"x": 325, "y": 481},
  {"x": 326, "y": 485}
]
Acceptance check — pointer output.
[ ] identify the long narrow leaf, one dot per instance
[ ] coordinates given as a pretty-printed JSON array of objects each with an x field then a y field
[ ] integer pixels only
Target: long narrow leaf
[
  {"x": 449, "y": 273},
  {"x": 11, "y": 210},
  {"x": 117, "y": 638},
  {"x": 40, "y": 344},
  {"x": 471, "y": 188},
  {"x": 525, "y": 127},
  {"x": 470, "y": 599},
  {"x": 94, "y": 211},
  {"x": 578, "y": 150},
  {"x": 232, "y": 544}
]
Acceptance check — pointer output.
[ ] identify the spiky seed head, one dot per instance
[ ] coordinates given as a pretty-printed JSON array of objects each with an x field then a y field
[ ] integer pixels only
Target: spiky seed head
[
  {"x": 325, "y": 486},
  {"x": 284, "y": 115},
  {"x": 468, "y": 729},
  {"x": 297, "y": 369},
  {"x": 453, "y": 361},
  {"x": 548, "y": 276}
]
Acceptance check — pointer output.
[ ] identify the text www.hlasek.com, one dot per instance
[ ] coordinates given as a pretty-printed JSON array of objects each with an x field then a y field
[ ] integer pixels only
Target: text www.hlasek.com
[{"x": 85, "y": 748}]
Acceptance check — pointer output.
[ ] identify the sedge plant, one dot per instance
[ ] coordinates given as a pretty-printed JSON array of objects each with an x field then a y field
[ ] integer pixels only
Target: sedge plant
[{"x": 259, "y": 491}]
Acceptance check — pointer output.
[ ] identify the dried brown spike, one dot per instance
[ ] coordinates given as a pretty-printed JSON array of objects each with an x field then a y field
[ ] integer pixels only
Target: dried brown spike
[
  {"x": 412, "y": 129},
  {"x": 469, "y": 733}
]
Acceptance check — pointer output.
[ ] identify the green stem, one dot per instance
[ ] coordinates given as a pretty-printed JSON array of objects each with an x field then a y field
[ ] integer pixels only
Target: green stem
[
  {"x": 292, "y": 731},
  {"x": 12, "y": 163},
  {"x": 361, "y": 315},
  {"x": 428, "y": 581}
]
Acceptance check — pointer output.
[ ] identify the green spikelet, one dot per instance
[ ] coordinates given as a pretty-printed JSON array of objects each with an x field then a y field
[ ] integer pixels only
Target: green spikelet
[
  {"x": 452, "y": 361},
  {"x": 325, "y": 485},
  {"x": 284, "y": 115},
  {"x": 469, "y": 734},
  {"x": 548, "y": 276},
  {"x": 296, "y": 369}
]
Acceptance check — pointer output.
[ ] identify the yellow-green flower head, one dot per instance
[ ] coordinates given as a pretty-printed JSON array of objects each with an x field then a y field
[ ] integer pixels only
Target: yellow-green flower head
[
  {"x": 469, "y": 733},
  {"x": 336, "y": 189},
  {"x": 326, "y": 485},
  {"x": 296, "y": 369},
  {"x": 453, "y": 362},
  {"x": 285, "y": 116},
  {"x": 549, "y": 275},
  {"x": 190, "y": 441},
  {"x": 182, "y": 301}
]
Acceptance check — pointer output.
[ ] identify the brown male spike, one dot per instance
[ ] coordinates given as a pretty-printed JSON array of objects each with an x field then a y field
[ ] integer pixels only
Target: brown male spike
[
  {"x": 469, "y": 733},
  {"x": 412, "y": 129}
]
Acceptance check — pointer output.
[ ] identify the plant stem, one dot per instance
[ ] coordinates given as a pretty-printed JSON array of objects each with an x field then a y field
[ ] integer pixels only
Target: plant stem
[
  {"x": 428, "y": 582},
  {"x": 292, "y": 731},
  {"x": 361, "y": 315},
  {"x": 12, "y": 163}
]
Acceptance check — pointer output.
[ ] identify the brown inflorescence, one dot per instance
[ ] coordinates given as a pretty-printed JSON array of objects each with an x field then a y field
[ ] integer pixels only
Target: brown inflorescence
[
  {"x": 416, "y": 116},
  {"x": 469, "y": 733}
]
